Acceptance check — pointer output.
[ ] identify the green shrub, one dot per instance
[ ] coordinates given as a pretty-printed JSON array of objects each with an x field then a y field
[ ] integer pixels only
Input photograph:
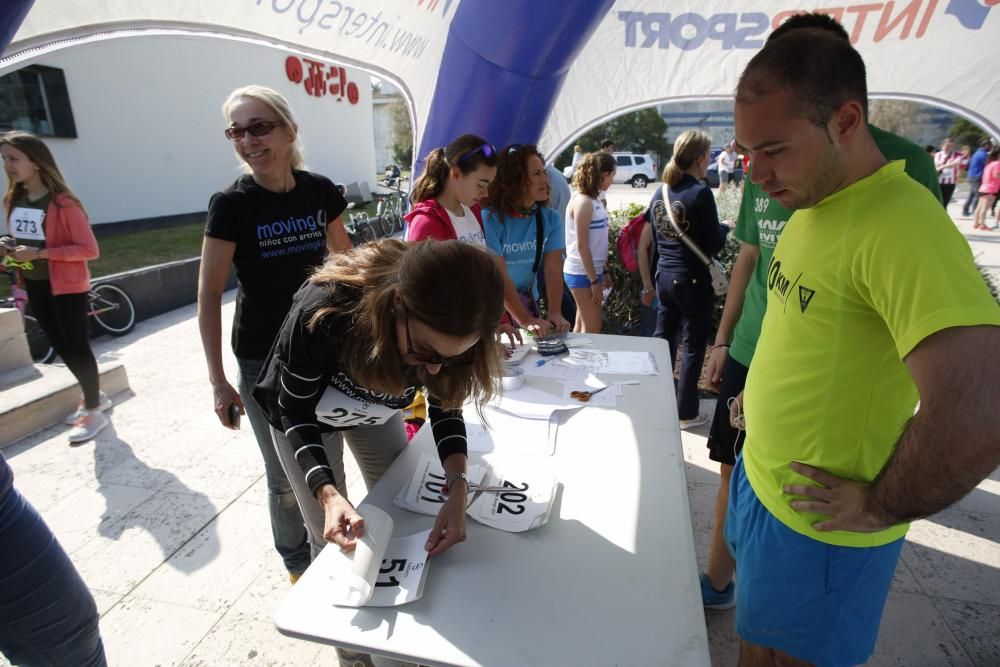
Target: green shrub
[{"x": 621, "y": 311}]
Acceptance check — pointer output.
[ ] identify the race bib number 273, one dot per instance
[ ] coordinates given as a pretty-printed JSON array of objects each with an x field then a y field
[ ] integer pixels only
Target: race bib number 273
[{"x": 26, "y": 224}]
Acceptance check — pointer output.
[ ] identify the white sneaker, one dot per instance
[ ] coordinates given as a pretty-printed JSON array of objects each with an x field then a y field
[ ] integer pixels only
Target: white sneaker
[
  {"x": 700, "y": 420},
  {"x": 104, "y": 405},
  {"x": 90, "y": 423}
]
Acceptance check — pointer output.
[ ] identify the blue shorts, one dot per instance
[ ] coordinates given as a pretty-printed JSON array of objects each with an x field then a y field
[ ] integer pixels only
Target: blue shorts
[
  {"x": 812, "y": 600},
  {"x": 577, "y": 281}
]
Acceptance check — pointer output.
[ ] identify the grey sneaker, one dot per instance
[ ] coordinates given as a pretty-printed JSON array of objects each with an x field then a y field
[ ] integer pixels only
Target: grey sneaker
[
  {"x": 104, "y": 405},
  {"x": 713, "y": 599},
  {"x": 695, "y": 422},
  {"x": 90, "y": 423}
]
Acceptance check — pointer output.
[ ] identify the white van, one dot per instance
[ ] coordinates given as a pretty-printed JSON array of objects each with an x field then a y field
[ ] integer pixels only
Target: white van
[{"x": 639, "y": 170}]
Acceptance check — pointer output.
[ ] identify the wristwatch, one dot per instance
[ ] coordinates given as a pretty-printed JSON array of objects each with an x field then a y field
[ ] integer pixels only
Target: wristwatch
[
  {"x": 451, "y": 478},
  {"x": 595, "y": 281}
]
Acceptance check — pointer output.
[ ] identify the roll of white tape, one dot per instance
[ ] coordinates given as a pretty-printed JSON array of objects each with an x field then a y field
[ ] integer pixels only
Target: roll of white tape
[{"x": 513, "y": 378}]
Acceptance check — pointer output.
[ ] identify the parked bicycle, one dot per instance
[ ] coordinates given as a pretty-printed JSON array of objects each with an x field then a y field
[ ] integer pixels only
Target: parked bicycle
[
  {"x": 392, "y": 208},
  {"x": 110, "y": 307},
  {"x": 360, "y": 227}
]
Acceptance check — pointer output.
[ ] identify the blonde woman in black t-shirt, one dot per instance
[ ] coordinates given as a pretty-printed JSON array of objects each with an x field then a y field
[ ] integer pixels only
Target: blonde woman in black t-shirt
[{"x": 275, "y": 224}]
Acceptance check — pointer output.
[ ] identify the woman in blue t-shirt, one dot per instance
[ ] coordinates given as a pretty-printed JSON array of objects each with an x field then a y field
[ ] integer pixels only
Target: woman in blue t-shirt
[
  {"x": 683, "y": 283},
  {"x": 275, "y": 224},
  {"x": 511, "y": 220}
]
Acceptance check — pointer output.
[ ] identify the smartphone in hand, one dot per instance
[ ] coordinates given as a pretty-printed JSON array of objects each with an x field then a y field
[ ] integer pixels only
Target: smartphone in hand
[{"x": 234, "y": 415}]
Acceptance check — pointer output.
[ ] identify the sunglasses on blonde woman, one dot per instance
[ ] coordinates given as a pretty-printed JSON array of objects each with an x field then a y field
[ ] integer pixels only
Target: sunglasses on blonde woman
[{"x": 258, "y": 129}]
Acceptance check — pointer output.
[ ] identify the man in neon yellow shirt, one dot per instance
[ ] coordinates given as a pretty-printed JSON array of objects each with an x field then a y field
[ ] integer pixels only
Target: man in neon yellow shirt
[
  {"x": 758, "y": 228},
  {"x": 873, "y": 302}
]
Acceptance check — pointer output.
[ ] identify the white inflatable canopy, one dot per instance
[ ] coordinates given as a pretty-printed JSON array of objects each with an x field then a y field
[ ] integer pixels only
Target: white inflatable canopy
[{"x": 530, "y": 71}]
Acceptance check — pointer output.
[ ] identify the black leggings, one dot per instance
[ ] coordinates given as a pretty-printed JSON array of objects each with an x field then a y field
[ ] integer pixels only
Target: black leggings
[
  {"x": 947, "y": 190},
  {"x": 63, "y": 318}
]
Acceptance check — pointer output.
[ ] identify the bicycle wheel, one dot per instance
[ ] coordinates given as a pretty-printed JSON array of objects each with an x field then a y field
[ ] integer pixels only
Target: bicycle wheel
[
  {"x": 397, "y": 224},
  {"x": 366, "y": 232},
  {"x": 378, "y": 224},
  {"x": 112, "y": 309},
  {"x": 38, "y": 343}
]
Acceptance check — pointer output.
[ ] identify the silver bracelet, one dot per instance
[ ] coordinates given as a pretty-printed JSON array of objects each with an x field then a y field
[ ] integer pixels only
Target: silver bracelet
[{"x": 452, "y": 477}]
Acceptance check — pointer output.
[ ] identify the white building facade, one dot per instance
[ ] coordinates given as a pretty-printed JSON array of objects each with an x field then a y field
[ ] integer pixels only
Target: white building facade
[{"x": 141, "y": 119}]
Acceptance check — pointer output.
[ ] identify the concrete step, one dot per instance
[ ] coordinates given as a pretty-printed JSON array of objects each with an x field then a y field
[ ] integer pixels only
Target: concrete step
[
  {"x": 14, "y": 351},
  {"x": 36, "y": 397}
]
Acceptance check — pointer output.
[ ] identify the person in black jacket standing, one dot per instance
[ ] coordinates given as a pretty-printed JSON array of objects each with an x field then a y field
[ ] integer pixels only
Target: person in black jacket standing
[{"x": 683, "y": 284}]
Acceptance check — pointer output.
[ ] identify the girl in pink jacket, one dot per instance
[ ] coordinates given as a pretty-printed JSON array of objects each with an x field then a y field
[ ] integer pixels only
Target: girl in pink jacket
[
  {"x": 53, "y": 234},
  {"x": 989, "y": 188}
]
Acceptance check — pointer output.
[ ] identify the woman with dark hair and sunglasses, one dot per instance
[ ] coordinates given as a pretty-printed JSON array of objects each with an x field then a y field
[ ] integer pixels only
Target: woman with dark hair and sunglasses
[
  {"x": 514, "y": 221},
  {"x": 446, "y": 205},
  {"x": 365, "y": 332},
  {"x": 274, "y": 224}
]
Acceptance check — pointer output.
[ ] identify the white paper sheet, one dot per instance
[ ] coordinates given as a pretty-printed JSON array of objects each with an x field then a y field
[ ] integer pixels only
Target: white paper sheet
[
  {"x": 552, "y": 368},
  {"x": 527, "y": 505},
  {"x": 606, "y": 398},
  {"x": 595, "y": 361},
  {"x": 382, "y": 572},
  {"x": 403, "y": 573},
  {"x": 531, "y": 403},
  {"x": 631, "y": 363},
  {"x": 508, "y": 434},
  {"x": 423, "y": 494}
]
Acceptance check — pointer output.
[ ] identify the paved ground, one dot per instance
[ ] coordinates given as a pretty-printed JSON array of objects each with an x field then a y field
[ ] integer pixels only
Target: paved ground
[{"x": 165, "y": 517}]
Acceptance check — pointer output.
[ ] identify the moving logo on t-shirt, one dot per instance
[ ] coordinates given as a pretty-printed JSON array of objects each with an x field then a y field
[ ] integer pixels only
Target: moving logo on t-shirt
[
  {"x": 467, "y": 227},
  {"x": 292, "y": 236}
]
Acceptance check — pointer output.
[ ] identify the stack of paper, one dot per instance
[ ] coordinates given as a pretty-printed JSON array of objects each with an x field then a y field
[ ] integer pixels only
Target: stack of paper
[
  {"x": 595, "y": 361},
  {"x": 525, "y": 506}
]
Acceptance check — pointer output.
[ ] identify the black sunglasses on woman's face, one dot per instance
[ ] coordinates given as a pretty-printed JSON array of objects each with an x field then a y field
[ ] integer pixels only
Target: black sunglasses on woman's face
[{"x": 433, "y": 358}]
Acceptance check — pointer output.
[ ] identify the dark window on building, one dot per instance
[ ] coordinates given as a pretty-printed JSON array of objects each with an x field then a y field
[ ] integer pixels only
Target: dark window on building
[{"x": 35, "y": 99}]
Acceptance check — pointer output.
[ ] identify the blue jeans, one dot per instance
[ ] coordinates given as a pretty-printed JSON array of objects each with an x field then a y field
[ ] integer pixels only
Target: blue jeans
[
  {"x": 47, "y": 615},
  {"x": 287, "y": 526},
  {"x": 647, "y": 317},
  {"x": 685, "y": 316}
]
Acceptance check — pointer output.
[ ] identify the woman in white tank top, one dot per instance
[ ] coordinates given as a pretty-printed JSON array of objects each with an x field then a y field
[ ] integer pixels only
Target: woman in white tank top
[{"x": 587, "y": 240}]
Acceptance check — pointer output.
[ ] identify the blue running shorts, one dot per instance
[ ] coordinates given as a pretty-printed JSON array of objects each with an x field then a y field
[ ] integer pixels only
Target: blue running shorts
[
  {"x": 574, "y": 280},
  {"x": 812, "y": 600}
]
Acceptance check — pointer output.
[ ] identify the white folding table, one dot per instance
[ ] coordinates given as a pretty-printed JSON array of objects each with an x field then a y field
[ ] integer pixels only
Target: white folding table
[{"x": 611, "y": 579}]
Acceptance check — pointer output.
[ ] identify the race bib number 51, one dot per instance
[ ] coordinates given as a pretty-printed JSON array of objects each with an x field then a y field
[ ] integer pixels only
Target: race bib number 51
[{"x": 26, "y": 224}]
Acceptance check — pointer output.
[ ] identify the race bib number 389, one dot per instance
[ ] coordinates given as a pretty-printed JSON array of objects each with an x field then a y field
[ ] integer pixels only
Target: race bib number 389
[{"x": 26, "y": 224}]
